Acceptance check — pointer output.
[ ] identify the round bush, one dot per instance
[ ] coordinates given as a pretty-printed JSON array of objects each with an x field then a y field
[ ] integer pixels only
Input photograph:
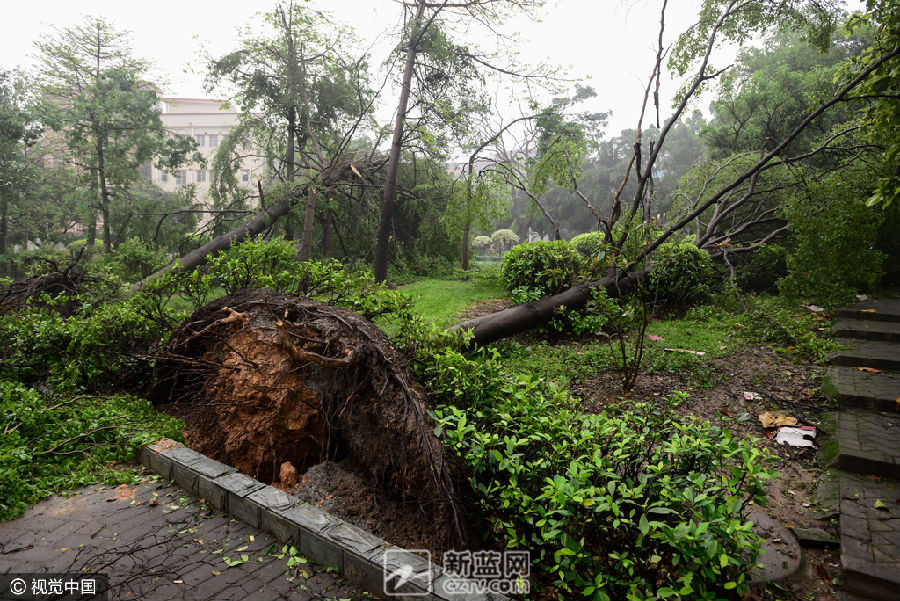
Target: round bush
[
  {"x": 681, "y": 274},
  {"x": 588, "y": 244},
  {"x": 542, "y": 267}
]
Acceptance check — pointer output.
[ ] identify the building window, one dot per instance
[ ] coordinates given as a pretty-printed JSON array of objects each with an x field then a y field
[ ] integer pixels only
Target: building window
[
  {"x": 180, "y": 177},
  {"x": 213, "y": 140},
  {"x": 201, "y": 139},
  {"x": 201, "y": 175},
  {"x": 163, "y": 177},
  {"x": 245, "y": 175}
]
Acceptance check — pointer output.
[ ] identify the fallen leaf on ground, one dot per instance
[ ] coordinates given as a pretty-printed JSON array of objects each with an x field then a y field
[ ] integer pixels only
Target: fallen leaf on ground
[
  {"x": 879, "y": 504},
  {"x": 771, "y": 421},
  {"x": 873, "y": 370},
  {"x": 152, "y": 502},
  {"x": 869, "y": 311}
]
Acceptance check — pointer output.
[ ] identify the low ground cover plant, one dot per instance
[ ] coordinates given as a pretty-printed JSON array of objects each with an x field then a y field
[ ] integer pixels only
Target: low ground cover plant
[{"x": 632, "y": 503}]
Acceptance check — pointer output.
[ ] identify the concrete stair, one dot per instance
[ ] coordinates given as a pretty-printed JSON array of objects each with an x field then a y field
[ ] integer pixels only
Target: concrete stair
[{"x": 867, "y": 430}]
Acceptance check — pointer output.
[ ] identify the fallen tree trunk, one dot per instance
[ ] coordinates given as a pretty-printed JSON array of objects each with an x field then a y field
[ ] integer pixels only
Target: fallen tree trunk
[
  {"x": 493, "y": 327},
  {"x": 260, "y": 223}
]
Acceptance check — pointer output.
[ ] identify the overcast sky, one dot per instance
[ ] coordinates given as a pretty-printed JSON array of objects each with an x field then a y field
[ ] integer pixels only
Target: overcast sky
[{"x": 612, "y": 42}]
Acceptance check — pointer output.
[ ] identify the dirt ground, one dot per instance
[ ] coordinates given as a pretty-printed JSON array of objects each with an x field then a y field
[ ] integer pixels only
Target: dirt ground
[{"x": 784, "y": 387}]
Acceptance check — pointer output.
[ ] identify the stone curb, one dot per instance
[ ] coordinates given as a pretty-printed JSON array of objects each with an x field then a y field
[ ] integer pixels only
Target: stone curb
[{"x": 359, "y": 556}]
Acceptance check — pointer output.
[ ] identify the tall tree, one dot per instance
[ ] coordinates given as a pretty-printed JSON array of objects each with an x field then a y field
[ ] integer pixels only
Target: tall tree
[
  {"x": 17, "y": 133},
  {"x": 443, "y": 74},
  {"x": 96, "y": 99},
  {"x": 303, "y": 94}
]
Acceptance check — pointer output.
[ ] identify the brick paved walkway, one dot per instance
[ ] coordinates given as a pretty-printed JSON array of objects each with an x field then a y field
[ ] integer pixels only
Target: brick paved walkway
[
  {"x": 868, "y": 445},
  {"x": 175, "y": 549}
]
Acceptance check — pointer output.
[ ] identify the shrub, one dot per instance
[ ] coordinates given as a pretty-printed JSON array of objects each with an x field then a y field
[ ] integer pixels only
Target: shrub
[
  {"x": 542, "y": 267},
  {"x": 51, "y": 444},
  {"x": 503, "y": 239},
  {"x": 762, "y": 270},
  {"x": 638, "y": 503},
  {"x": 589, "y": 244},
  {"x": 481, "y": 243},
  {"x": 134, "y": 260},
  {"x": 681, "y": 274},
  {"x": 255, "y": 264},
  {"x": 834, "y": 234}
]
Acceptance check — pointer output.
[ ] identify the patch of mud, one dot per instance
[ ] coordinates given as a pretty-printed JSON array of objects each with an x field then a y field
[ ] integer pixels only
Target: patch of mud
[
  {"x": 339, "y": 490},
  {"x": 486, "y": 307}
]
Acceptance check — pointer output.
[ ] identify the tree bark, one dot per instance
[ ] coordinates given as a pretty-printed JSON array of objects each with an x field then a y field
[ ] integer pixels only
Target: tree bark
[
  {"x": 326, "y": 236},
  {"x": 306, "y": 238},
  {"x": 4, "y": 218},
  {"x": 385, "y": 224},
  {"x": 104, "y": 193},
  {"x": 493, "y": 327},
  {"x": 465, "y": 246}
]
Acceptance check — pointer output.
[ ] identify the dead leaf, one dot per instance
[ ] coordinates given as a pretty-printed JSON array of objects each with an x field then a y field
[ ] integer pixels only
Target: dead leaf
[
  {"x": 356, "y": 171},
  {"x": 879, "y": 504},
  {"x": 152, "y": 502},
  {"x": 771, "y": 421},
  {"x": 216, "y": 573},
  {"x": 868, "y": 311},
  {"x": 872, "y": 370}
]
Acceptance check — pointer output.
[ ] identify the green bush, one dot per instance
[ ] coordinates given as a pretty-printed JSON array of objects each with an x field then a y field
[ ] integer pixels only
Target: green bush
[
  {"x": 542, "y": 268},
  {"x": 134, "y": 260},
  {"x": 85, "y": 351},
  {"x": 255, "y": 264},
  {"x": 761, "y": 271},
  {"x": 638, "y": 503},
  {"x": 834, "y": 235},
  {"x": 51, "y": 444},
  {"x": 681, "y": 274},
  {"x": 589, "y": 244}
]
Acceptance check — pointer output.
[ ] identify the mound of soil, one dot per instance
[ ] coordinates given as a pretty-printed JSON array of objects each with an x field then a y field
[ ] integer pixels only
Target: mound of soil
[{"x": 262, "y": 378}]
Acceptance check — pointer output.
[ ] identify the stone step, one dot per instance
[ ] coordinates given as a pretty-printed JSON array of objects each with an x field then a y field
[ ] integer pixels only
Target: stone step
[
  {"x": 870, "y": 537},
  {"x": 865, "y": 329},
  {"x": 880, "y": 310},
  {"x": 869, "y": 443},
  {"x": 866, "y": 353},
  {"x": 865, "y": 390}
]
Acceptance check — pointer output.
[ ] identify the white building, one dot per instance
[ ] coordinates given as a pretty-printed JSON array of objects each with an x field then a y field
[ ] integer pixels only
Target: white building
[{"x": 208, "y": 121}]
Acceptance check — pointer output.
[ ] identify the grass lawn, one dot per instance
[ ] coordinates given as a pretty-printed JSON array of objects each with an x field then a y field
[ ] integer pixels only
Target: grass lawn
[{"x": 443, "y": 301}]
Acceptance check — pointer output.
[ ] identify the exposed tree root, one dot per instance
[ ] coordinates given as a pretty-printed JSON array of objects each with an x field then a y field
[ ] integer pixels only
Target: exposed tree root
[{"x": 263, "y": 378}]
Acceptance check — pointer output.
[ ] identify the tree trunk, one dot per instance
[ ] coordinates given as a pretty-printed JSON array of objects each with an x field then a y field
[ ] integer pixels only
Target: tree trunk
[
  {"x": 465, "y": 247},
  {"x": 104, "y": 195},
  {"x": 493, "y": 327},
  {"x": 263, "y": 220},
  {"x": 289, "y": 161},
  {"x": 390, "y": 185},
  {"x": 4, "y": 218},
  {"x": 326, "y": 236},
  {"x": 306, "y": 238}
]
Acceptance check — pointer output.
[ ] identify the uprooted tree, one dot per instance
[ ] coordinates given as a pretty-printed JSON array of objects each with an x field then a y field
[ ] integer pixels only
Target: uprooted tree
[
  {"x": 263, "y": 378},
  {"x": 724, "y": 210}
]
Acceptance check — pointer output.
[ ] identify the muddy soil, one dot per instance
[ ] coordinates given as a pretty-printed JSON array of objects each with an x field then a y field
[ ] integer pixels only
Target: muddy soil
[
  {"x": 784, "y": 386},
  {"x": 262, "y": 379}
]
